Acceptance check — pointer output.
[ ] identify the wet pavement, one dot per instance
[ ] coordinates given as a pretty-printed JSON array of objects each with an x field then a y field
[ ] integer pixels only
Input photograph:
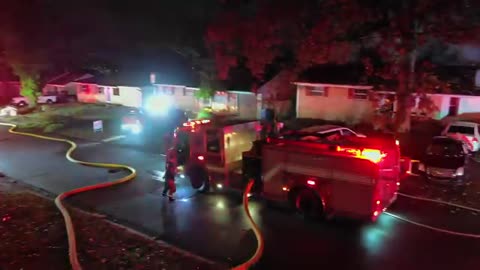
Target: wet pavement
[{"x": 215, "y": 227}]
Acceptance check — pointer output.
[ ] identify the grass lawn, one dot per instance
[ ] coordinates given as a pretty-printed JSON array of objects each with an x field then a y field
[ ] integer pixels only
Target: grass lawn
[
  {"x": 72, "y": 119},
  {"x": 34, "y": 237}
]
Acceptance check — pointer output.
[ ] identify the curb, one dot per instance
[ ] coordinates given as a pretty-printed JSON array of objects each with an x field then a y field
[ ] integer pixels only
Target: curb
[{"x": 40, "y": 192}]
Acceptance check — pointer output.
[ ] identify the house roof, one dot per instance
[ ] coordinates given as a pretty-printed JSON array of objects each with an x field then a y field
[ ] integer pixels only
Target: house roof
[
  {"x": 279, "y": 87},
  {"x": 138, "y": 79},
  {"x": 67, "y": 78}
]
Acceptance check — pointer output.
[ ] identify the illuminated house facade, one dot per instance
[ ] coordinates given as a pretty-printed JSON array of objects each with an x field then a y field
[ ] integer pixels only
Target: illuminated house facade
[{"x": 99, "y": 90}]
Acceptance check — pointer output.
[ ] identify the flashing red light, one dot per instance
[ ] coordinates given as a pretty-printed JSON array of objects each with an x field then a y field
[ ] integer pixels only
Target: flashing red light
[
  {"x": 311, "y": 183},
  {"x": 201, "y": 158},
  {"x": 397, "y": 142},
  {"x": 398, "y": 183},
  {"x": 375, "y": 214},
  {"x": 374, "y": 155},
  {"x": 378, "y": 202},
  {"x": 196, "y": 122}
]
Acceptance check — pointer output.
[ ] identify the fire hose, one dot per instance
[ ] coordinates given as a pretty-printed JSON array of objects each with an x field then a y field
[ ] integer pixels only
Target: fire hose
[
  {"x": 260, "y": 241},
  {"x": 433, "y": 228},
  {"x": 72, "y": 244}
]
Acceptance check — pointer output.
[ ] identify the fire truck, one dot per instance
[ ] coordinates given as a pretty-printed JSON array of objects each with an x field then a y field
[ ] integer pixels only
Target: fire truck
[
  {"x": 354, "y": 177},
  {"x": 210, "y": 152}
]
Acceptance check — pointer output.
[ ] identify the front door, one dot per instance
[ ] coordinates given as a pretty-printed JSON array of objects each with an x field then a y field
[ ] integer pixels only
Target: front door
[
  {"x": 108, "y": 94},
  {"x": 453, "y": 106}
]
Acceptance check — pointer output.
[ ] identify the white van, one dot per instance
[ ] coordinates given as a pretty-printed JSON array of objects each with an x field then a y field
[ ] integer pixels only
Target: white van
[{"x": 465, "y": 131}]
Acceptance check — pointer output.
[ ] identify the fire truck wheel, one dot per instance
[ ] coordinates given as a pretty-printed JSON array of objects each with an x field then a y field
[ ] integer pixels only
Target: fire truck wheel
[
  {"x": 206, "y": 184},
  {"x": 308, "y": 204},
  {"x": 199, "y": 178}
]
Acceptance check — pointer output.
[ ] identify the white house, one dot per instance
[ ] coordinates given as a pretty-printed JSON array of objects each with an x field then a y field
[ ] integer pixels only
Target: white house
[
  {"x": 245, "y": 105},
  {"x": 454, "y": 105},
  {"x": 352, "y": 103},
  {"x": 334, "y": 102},
  {"x": 65, "y": 84},
  {"x": 182, "y": 96},
  {"x": 94, "y": 90}
]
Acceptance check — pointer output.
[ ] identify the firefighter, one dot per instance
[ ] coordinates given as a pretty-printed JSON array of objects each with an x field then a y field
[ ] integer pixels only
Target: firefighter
[{"x": 169, "y": 176}]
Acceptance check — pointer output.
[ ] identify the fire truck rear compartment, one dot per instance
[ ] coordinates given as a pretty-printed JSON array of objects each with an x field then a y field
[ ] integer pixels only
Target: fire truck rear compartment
[{"x": 344, "y": 185}]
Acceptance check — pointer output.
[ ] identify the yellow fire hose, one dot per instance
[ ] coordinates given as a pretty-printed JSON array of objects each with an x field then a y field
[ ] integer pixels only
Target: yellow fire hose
[
  {"x": 260, "y": 242},
  {"x": 72, "y": 244}
]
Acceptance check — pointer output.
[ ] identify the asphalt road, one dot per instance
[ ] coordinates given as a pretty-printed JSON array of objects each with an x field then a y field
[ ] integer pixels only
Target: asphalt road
[{"x": 214, "y": 226}]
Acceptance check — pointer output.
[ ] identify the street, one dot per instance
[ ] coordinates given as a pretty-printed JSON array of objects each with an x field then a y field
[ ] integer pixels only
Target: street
[{"x": 214, "y": 225}]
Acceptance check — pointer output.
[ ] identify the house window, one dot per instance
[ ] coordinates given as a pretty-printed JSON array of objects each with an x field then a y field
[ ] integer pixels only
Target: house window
[
  {"x": 316, "y": 91},
  {"x": 101, "y": 90},
  {"x": 84, "y": 88},
  {"x": 187, "y": 92},
  {"x": 358, "y": 93},
  {"x": 116, "y": 91},
  {"x": 169, "y": 90}
]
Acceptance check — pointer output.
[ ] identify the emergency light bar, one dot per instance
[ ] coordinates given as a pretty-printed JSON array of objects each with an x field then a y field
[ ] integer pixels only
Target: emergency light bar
[
  {"x": 196, "y": 122},
  {"x": 374, "y": 155}
]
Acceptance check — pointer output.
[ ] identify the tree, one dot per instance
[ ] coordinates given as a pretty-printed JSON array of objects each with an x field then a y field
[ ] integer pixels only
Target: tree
[
  {"x": 387, "y": 37},
  {"x": 29, "y": 86}
]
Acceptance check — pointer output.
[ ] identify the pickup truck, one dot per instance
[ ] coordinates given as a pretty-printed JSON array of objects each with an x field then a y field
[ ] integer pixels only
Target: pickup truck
[{"x": 22, "y": 101}]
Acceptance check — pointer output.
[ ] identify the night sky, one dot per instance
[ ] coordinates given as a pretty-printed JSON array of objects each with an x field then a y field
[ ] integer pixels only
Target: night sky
[{"x": 132, "y": 35}]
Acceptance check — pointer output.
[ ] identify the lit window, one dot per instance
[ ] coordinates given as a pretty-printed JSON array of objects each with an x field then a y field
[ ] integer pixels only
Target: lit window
[{"x": 168, "y": 90}]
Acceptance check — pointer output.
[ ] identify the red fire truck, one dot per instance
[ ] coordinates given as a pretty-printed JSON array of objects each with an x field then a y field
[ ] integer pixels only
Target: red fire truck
[{"x": 353, "y": 177}]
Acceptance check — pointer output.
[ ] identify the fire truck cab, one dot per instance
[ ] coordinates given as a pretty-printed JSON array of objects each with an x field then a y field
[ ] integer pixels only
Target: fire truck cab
[
  {"x": 210, "y": 151},
  {"x": 354, "y": 177}
]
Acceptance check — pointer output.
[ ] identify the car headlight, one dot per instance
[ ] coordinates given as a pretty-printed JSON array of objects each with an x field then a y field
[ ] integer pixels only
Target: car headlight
[
  {"x": 136, "y": 129},
  {"x": 460, "y": 171},
  {"x": 158, "y": 105}
]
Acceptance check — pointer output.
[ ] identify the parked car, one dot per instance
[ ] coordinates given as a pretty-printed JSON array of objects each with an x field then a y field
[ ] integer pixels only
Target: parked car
[
  {"x": 22, "y": 101},
  {"x": 465, "y": 131},
  {"x": 446, "y": 159},
  {"x": 331, "y": 130},
  {"x": 133, "y": 121},
  {"x": 321, "y": 133}
]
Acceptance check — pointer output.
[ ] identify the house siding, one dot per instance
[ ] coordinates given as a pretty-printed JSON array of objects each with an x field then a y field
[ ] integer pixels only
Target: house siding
[
  {"x": 90, "y": 96},
  {"x": 247, "y": 106},
  {"x": 337, "y": 106},
  {"x": 128, "y": 96},
  {"x": 183, "y": 97}
]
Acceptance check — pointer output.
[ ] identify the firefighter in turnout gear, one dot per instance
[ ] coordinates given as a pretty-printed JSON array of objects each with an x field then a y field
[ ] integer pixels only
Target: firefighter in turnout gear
[{"x": 169, "y": 176}]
